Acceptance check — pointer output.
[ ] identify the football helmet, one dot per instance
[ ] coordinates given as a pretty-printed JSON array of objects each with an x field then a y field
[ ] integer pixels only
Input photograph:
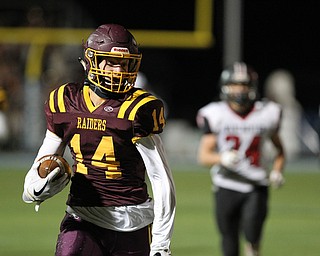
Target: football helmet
[
  {"x": 116, "y": 43},
  {"x": 239, "y": 74}
]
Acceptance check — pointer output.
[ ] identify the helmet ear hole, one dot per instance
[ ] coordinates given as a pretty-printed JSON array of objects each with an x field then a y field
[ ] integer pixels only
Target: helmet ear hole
[{"x": 90, "y": 54}]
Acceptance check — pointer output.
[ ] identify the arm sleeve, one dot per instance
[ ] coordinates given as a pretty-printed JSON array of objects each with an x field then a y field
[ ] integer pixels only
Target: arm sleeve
[
  {"x": 52, "y": 144},
  {"x": 203, "y": 124},
  {"x": 160, "y": 176}
]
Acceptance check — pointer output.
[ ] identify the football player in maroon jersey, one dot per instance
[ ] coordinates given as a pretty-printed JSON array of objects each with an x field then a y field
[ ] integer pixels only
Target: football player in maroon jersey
[
  {"x": 112, "y": 130},
  {"x": 235, "y": 132}
]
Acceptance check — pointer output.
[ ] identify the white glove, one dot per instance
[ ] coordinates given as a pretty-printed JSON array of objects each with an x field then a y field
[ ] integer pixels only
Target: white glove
[
  {"x": 160, "y": 253},
  {"x": 230, "y": 159},
  {"x": 276, "y": 179},
  {"x": 40, "y": 189}
]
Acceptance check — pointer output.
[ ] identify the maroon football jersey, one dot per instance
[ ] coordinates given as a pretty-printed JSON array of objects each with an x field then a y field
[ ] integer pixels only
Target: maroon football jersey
[{"x": 108, "y": 169}]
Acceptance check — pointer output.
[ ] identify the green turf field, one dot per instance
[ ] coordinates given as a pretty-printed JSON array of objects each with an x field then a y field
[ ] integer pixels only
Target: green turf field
[{"x": 293, "y": 226}]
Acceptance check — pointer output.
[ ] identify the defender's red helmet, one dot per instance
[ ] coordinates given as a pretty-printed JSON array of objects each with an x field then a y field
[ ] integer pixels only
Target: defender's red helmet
[{"x": 112, "y": 41}]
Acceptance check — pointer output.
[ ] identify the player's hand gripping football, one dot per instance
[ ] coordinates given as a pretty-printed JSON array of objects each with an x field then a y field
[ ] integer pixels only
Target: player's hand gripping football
[
  {"x": 276, "y": 179},
  {"x": 40, "y": 189},
  {"x": 230, "y": 159}
]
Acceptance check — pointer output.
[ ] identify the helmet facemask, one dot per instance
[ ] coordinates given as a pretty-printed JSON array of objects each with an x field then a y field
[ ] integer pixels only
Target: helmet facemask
[
  {"x": 112, "y": 81},
  {"x": 241, "y": 98},
  {"x": 241, "y": 101}
]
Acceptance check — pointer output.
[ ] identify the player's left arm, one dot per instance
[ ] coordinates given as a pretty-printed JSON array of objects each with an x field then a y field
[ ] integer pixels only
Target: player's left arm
[
  {"x": 149, "y": 122},
  {"x": 160, "y": 176},
  {"x": 276, "y": 175}
]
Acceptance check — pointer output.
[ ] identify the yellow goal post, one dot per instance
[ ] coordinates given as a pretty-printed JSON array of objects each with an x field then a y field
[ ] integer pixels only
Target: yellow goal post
[{"x": 38, "y": 39}]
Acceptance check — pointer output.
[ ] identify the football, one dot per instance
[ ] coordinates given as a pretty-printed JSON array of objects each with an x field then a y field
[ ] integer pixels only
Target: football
[{"x": 49, "y": 162}]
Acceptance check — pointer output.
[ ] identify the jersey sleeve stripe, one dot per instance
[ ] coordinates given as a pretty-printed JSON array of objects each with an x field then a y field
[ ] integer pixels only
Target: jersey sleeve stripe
[
  {"x": 127, "y": 103},
  {"x": 51, "y": 102},
  {"x": 136, "y": 107},
  {"x": 61, "y": 105}
]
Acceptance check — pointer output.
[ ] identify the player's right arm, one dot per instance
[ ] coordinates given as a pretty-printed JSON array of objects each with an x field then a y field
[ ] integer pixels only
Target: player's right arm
[
  {"x": 207, "y": 154},
  {"x": 276, "y": 175},
  {"x": 37, "y": 189}
]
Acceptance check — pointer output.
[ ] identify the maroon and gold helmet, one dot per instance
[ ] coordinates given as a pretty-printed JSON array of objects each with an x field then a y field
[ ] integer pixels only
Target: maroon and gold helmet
[{"x": 113, "y": 41}]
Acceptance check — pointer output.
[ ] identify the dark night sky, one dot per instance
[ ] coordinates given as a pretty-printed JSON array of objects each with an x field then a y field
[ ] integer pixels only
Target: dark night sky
[
  {"x": 285, "y": 34},
  {"x": 276, "y": 34}
]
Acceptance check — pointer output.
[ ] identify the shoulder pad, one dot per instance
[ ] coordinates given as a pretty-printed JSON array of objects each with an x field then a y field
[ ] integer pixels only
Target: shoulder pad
[
  {"x": 130, "y": 107},
  {"x": 57, "y": 97}
]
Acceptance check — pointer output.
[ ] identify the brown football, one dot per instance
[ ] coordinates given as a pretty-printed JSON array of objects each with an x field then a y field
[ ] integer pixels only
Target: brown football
[{"x": 49, "y": 162}]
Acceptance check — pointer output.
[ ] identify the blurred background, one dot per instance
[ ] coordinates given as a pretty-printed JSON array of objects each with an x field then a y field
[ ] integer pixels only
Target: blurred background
[{"x": 185, "y": 45}]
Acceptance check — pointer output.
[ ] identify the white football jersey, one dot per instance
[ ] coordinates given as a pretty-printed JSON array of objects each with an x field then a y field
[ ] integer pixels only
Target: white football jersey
[{"x": 247, "y": 135}]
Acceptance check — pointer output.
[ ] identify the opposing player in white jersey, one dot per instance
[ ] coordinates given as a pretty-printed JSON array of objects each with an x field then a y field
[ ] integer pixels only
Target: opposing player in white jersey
[{"x": 234, "y": 132}]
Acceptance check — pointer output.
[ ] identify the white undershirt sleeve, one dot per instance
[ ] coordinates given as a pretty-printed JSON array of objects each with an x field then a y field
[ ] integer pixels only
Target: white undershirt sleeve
[
  {"x": 163, "y": 188},
  {"x": 52, "y": 144}
]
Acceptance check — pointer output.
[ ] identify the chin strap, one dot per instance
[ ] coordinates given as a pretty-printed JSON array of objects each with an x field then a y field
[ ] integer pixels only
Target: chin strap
[
  {"x": 103, "y": 93},
  {"x": 96, "y": 89}
]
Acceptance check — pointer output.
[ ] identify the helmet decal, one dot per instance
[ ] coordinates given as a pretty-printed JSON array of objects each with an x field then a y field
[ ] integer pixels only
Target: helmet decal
[
  {"x": 120, "y": 49},
  {"x": 240, "y": 73}
]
